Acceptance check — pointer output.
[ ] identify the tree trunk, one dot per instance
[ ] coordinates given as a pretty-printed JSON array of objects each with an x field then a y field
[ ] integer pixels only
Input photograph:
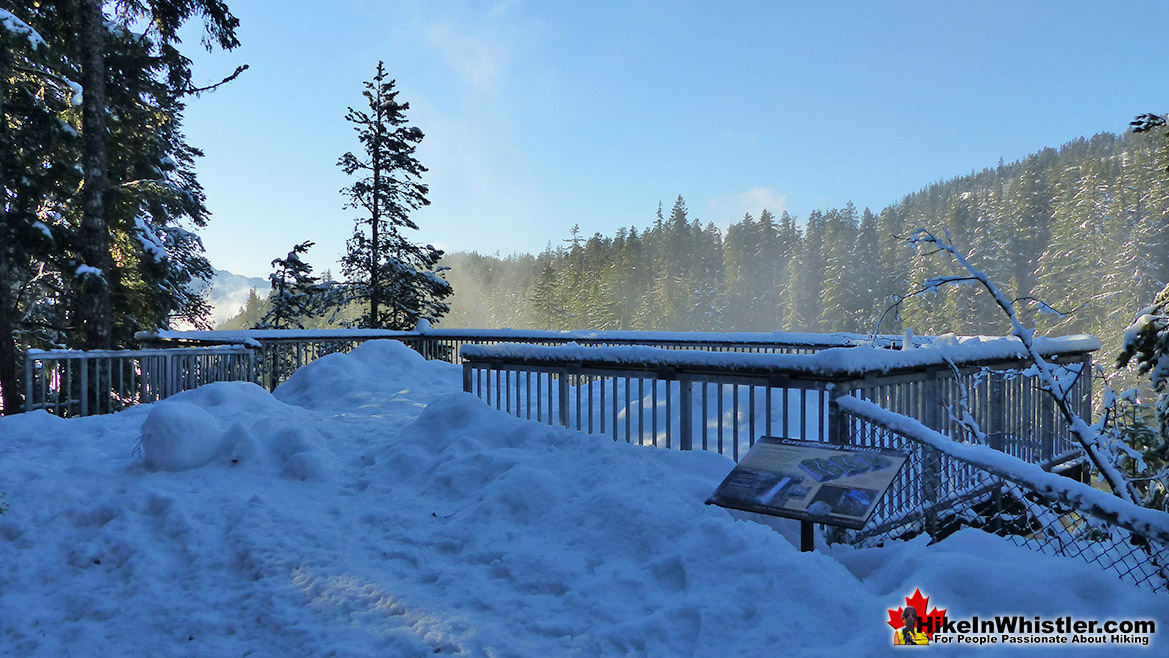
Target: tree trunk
[
  {"x": 9, "y": 388},
  {"x": 375, "y": 258},
  {"x": 93, "y": 292}
]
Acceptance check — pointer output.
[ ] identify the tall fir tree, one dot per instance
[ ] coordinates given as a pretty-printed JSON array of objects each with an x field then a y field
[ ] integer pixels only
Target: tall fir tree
[
  {"x": 809, "y": 275},
  {"x": 397, "y": 278}
]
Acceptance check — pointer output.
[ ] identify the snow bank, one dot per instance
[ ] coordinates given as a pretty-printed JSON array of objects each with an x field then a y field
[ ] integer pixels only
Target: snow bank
[{"x": 441, "y": 527}]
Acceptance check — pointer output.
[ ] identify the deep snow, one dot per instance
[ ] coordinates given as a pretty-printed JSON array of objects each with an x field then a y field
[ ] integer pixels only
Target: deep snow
[{"x": 369, "y": 508}]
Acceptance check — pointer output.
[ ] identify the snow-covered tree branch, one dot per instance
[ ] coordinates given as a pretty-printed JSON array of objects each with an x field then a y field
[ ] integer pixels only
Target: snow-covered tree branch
[{"x": 1088, "y": 436}]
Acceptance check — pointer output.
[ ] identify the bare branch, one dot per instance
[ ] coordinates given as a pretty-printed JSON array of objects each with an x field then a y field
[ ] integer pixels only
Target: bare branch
[{"x": 199, "y": 90}]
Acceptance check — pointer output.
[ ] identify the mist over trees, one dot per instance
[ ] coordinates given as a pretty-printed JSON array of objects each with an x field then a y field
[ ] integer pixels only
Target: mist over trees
[{"x": 1081, "y": 227}]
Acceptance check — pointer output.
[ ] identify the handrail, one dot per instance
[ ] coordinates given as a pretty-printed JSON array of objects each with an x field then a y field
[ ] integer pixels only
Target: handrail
[
  {"x": 733, "y": 394},
  {"x": 833, "y": 363},
  {"x": 535, "y": 336},
  {"x": 74, "y": 382}
]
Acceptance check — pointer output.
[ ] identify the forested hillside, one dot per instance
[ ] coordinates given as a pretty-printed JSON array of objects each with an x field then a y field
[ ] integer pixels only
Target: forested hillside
[{"x": 1082, "y": 227}]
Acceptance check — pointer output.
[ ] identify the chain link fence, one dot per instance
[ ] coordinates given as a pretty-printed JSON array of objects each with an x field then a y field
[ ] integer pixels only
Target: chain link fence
[{"x": 938, "y": 494}]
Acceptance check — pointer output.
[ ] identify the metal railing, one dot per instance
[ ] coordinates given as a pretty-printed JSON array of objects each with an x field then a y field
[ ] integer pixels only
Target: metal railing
[
  {"x": 281, "y": 352},
  {"x": 76, "y": 383},
  {"x": 725, "y": 402},
  {"x": 938, "y": 492},
  {"x": 113, "y": 380}
]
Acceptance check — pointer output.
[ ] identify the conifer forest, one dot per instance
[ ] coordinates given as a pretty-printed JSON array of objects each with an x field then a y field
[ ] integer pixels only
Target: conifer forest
[{"x": 1077, "y": 234}]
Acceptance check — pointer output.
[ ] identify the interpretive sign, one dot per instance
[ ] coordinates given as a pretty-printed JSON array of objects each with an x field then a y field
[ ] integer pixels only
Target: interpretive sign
[{"x": 810, "y": 481}]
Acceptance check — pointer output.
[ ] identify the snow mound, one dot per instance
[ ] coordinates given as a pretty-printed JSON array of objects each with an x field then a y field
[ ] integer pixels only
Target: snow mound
[
  {"x": 376, "y": 374},
  {"x": 177, "y": 436}
]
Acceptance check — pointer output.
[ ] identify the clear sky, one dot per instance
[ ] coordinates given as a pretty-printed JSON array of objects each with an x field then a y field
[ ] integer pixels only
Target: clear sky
[{"x": 542, "y": 115}]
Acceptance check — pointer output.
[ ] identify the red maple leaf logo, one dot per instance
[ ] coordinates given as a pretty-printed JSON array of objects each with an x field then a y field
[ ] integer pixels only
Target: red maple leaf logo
[{"x": 930, "y": 622}]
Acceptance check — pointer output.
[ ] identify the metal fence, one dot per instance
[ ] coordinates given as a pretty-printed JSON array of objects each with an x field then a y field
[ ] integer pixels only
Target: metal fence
[
  {"x": 690, "y": 402},
  {"x": 279, "y": 353},
  {"x": 76, "y": 383},
  {"x": 82, "y": 383},
  {"x": 938, "y": 493}
]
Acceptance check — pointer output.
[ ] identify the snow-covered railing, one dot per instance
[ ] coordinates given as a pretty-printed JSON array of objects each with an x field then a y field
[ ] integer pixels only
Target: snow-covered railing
[
  {"x": 946, "y": 486},
  {"x": 282, "y": 351},
  {"x": 724, "y": 401},
  {"x": 77, "y": 383}
]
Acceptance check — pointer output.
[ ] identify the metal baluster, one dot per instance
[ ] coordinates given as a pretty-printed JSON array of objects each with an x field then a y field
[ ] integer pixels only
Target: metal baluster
[{"x": 735, "y": 421}]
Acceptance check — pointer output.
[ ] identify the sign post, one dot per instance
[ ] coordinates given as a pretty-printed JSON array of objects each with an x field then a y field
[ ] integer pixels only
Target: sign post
[{"x": 811, "y": 482}]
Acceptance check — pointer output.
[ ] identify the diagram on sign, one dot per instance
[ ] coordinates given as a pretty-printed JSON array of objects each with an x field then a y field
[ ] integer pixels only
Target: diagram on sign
[{"x": 810, "y": 481}]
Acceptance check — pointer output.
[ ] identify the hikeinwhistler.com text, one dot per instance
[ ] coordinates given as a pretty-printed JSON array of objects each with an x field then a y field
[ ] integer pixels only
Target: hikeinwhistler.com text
[{"x": 1019, "y": 629}]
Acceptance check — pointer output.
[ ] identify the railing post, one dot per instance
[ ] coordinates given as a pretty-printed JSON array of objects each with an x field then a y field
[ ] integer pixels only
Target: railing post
[
  {"x": 1046, "y": 423},
  {"x": 996, "y": 424},
  {"x": 931, "y": 463},
  {"x": 563, "y": 394},
  {"x": 171, "y": 378},
  {"x": 685, "y": 408},
  {"x": 84, "y": 386},
  {"x": 1086, "y": 388},
  {"x": 28, "y": 382},
  {"x": 272, "y": 379},
  {"x": 837, "y": 433},
  {"x": 467, "y": 388}
]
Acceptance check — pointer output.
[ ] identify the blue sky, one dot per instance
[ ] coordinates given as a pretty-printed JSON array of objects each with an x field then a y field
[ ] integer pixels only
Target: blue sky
[{"x": 542, "y": 115}]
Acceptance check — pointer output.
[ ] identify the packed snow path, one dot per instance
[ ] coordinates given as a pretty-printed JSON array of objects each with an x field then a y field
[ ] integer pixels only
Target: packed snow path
[{"x": 369, "y": 508}]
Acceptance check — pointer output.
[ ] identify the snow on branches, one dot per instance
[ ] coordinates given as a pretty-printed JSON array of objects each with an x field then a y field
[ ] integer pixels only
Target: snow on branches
[{"x": 1098, "y": 449}]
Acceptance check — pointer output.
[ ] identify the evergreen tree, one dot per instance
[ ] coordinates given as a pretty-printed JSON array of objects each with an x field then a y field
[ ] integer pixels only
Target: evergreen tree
[
  {"x": 99, "y": 265},
  {"x": 395, "y": 276},
  {"x": 866, "y": 270},
  {"x": 545, "y": 298},
  {"x": 95, "y": 34},
  {"x": 249, "y": 315},
  {"x": 296, "y": 294},
  {"x": 1146, "y": 342},
  {"x": 894, "y": 277},
  {"x": 37, "y": 150},
  {"x": 784, "y": 267},
  {"x": 742, "y": 250},
  {"x": 840, "y": 303},
  {"x": 809, "y": 274}
]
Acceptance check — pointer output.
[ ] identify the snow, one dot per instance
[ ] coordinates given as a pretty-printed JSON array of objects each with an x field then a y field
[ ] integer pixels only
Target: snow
[
  {"x": 827, "y": 362},
  {"x": 40, "y": 226},
  {"x": 86, "y": 270},
  {"x": 10, "y": 23},
  {"x": 370, "y": 508},
  {"x": 838, "y": 339},
  {"x": 177, "y": 436},
  {"x": 253, "y": 336},
  {"x": 76, "y": 98},
  {"x": 1147, "y": 520},
  {"x": 149, "y": 239}
]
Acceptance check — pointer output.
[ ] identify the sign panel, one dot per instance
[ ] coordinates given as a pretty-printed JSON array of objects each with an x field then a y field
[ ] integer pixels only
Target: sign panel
[{"x": 810, "y": 481}]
